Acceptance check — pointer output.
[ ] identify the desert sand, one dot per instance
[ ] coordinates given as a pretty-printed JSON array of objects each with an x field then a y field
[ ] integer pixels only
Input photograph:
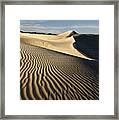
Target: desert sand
[
  {"x": 49, "y": 75},
  {"x": 60, "y": 43}
]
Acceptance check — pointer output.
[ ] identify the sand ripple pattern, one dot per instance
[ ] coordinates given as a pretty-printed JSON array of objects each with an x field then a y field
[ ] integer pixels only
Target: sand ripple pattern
[{"x": 48, "y": 75}]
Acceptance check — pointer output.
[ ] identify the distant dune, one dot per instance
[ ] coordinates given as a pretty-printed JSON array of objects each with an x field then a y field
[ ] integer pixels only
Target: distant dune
[
  {"x": 60, "y": 43},
  {"x": 37, "y": 33},
  {"x": 53, "y": 68}
]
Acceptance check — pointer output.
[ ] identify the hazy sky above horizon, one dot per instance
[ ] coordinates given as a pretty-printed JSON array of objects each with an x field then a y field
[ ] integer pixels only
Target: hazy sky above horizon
[{"x": 59, "y": 26}]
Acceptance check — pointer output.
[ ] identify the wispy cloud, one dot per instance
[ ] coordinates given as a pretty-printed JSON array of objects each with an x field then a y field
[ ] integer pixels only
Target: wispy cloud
[{"x": 39, "y": 27}]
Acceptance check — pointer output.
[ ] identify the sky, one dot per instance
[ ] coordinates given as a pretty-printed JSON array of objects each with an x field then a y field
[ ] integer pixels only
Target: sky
[{"x": 60, "y": 26}]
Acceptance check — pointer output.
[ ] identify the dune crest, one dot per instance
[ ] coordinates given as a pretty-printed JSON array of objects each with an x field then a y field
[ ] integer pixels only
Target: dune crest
[
  {"x": 61, "y": 43},
  {"x": 68, "y": 34}
]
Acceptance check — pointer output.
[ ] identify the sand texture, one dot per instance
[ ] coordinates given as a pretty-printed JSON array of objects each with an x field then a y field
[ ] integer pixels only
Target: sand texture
[
  {"x": 54, "y": 73},
  {"x": 60, "y": 43}
]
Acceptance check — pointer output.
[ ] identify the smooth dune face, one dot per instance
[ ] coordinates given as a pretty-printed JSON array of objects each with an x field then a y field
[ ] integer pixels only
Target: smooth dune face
[
  {"x": 49, "y": 75},
  {"x": 60, "y": 43}
]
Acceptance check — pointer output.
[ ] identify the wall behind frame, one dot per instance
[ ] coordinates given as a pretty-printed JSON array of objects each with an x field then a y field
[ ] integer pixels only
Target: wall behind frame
[{"x": 55, "y": 1}]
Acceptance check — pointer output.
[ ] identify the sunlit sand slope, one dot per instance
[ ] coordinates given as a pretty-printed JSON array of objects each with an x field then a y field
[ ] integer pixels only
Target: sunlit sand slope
[
  {"x": 61, "y": 43},
  {"x": 49, "y": 75}
]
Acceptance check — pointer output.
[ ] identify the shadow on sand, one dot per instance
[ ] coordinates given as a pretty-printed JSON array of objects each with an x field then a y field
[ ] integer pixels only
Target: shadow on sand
[{"x": 88, "y": 44}]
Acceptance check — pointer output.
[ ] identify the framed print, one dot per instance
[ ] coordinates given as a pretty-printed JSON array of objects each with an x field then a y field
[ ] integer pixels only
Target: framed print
[{"x": 59, "y": 60}]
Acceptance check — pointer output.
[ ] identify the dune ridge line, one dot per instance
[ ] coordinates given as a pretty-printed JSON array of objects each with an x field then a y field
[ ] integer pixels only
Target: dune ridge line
[{"x": 61, "y": 43}]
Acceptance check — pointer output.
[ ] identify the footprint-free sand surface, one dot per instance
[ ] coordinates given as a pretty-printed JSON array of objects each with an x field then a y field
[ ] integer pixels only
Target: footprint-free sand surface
[
  {"x": 47, "y": 74},
  {"x": 60, "y": 43}
]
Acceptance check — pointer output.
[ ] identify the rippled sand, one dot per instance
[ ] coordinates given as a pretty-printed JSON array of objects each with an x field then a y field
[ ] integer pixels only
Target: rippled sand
[{"x": 49, "y": 75}]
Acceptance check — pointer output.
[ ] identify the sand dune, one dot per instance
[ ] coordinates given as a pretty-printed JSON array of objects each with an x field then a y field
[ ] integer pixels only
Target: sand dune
[
  {"x": 61, "y": 43},
  {"x": 54, "y": 67},
  {"x": 49, "y": 75}
]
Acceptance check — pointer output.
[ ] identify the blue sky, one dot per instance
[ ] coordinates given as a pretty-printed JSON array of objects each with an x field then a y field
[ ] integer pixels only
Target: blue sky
[{"x": 59, "y": 26}]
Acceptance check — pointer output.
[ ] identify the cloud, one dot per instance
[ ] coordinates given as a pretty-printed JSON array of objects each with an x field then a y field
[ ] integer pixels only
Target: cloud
[{"x": 59, "y": 29}]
